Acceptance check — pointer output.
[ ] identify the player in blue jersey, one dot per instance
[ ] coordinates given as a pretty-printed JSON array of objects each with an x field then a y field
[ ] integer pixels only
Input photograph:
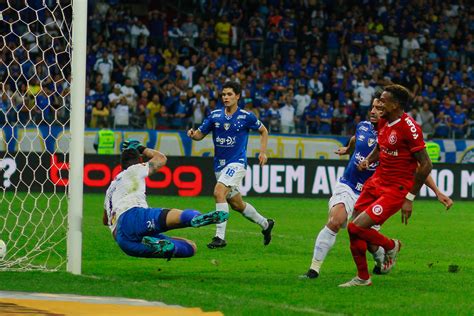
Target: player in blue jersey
[
  {"x": 347, "y": 191},
  {"x": 230, "y": 129}
]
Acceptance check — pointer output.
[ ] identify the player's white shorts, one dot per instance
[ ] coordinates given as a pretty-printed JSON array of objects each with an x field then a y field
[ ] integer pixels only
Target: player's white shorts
[
  {"x": 344, "y": 194},
  {"x": 231, "y": 176}
]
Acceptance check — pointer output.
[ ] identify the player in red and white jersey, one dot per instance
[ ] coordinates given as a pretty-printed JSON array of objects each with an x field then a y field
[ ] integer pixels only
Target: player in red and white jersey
[{"x": 404, "y": 166}]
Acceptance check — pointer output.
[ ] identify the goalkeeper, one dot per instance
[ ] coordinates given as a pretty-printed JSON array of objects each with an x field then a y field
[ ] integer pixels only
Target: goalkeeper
[{"x": 137, "y": 228}]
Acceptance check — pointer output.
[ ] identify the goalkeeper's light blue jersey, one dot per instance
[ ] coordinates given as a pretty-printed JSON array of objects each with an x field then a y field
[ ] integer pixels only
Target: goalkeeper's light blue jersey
[
  {"x": 230, "y": 135},
  {"x": 366, "y": 140}
]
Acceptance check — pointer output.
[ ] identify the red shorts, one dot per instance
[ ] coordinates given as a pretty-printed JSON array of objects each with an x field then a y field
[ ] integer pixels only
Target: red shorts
[{"x": 379, "y": 201}]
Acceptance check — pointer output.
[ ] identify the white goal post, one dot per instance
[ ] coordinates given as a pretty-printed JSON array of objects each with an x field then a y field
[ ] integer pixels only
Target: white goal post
[
  {"x": 42, "y": 103},
  {"x": 76, "y": 148}
]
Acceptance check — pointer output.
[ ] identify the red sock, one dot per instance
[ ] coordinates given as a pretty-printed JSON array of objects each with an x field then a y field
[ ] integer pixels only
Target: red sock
[
  {"x": 371, "y": 236},
  {"x": 358, "y": 250}
]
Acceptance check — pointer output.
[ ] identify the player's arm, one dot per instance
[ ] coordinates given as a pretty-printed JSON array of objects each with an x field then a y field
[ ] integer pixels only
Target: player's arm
[
  {"x": 195, "y": 134},
  {"x": 156, "y": 160},
  {"x": 442, "y": 198},
  {"x": 347, "y": 150},
  {"x": 105, "y": 219},
  {"x": 262, "y": 156},
  {"x": 421, "y": 173}
]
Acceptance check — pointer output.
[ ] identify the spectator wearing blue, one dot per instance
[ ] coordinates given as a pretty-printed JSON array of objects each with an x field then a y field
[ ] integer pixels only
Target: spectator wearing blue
[
  {"x": 447, "y": 107},
  {"x": 458, "y": 122},
  {"x": 311, "y": 117},
  {"x": 325, "y": 113},
  {"x": 442, "y": 125},
  {"x": 180, "y": 113}
]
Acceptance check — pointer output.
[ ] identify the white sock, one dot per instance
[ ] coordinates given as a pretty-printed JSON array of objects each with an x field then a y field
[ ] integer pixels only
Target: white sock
[
  {"x": 251, "y": 214},
  {"x": 220, "y": 228},
  {"x": 324, "y": 242},
  {"x": 379, "y": 256}
]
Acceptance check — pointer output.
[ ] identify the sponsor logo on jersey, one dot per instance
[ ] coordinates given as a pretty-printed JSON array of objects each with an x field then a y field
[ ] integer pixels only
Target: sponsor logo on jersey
[
  {"x": 241, "y": 117},
  {"x": 412, "y": 127},
  {"x": 392, "y": 139},
  {"x": 390, "y": 152},
  {"x": 377, "y": 209},
  {"x": 359, "y": 157},
  {"x": 361, "y": 138},
  {"x": 216, "y": 115},
  {"x": 226, "y": 126},
  {"x": 371, "y": 142},
  {"x": 225, "y": 141}
]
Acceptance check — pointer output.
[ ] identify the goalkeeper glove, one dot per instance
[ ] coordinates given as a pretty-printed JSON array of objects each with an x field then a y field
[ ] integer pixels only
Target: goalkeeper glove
[{"x": 133, "y": 144}]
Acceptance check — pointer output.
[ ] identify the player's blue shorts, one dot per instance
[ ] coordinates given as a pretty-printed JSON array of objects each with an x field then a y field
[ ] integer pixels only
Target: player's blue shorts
[{"x": 138, "y": 222}]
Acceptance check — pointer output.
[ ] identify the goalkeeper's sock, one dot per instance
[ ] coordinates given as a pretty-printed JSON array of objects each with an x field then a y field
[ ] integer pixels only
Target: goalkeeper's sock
[
  {"x": 251, "y": 214},
  {"x": 220, "y": 228},
  {"x": 186, "y": 217},
  {"x": 324, "y": 242}
]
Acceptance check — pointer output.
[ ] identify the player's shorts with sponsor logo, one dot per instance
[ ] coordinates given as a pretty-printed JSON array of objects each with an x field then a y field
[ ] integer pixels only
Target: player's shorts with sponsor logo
[
  {"x": 380, "y": 201},
  {"x": 343, "y": 194},
  {"x": 231, "y": 176}
]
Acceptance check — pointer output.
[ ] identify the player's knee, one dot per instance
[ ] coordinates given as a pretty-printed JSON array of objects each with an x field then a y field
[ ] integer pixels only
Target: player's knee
[
  {"x": 220, "y": 192},
  {"x": 238, "y": 206},
  {"x": 335, "y": 224},
  {"x": 184, "y": 248},
  {"x": 353, "y": 228}
]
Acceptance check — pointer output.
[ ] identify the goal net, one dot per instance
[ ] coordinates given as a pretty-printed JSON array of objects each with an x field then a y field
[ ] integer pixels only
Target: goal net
[{"x": 35, "y": 78}]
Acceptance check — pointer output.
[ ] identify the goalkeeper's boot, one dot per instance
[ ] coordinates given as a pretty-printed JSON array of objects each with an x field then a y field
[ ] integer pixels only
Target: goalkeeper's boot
[
  {"x": 163, "y": 248},
  {"x": 217, "y": 243},
  {"x": 357, "y": 282},
  {"x": 391, "y": 257},
  {"x": 215, "y": 217},
  {"x": 267, "y": 233},
  {"x": 311, "y": 274}
]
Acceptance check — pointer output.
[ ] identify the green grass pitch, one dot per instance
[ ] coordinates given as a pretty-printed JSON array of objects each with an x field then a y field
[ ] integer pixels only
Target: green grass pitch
[{"x": 246, "y": 278}]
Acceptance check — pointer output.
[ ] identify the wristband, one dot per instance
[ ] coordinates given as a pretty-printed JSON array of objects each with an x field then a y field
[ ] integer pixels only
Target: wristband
[
  {"x": 410, "y": 196},
  {"x": 141, "y": 149}
]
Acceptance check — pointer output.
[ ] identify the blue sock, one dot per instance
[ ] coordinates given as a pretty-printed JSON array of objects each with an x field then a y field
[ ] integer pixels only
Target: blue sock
[
  {"x": 187, "y": 216},
  {"x": 182, "y": 249}
]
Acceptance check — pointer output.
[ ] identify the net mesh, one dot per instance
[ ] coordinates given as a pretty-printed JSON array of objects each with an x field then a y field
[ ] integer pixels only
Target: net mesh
[{"x": 35, "y": 73}]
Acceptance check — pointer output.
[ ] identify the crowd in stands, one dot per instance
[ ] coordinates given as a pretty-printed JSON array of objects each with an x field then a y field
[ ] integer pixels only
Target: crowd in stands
[{"x": 308, "y": 67}]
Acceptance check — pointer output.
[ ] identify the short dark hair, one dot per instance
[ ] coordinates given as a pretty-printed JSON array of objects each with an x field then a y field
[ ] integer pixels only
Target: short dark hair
[
  {"x": 235, "y": 86},
  {"x": 378, "y": 93},
  {"x": 129, "y": 158},
  {"x": 399, "y": 94}
]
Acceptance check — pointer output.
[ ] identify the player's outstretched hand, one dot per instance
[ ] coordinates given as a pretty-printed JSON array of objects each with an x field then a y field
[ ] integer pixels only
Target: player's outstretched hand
[
  {"x": 262, "y": 159},
  {"x": 342, "y": 151},
  {"x": 363, "y": 165},
  {"x": 445, "y": 200},
  {"x": 407, "y": 208},
  {"x": 191, "y": 133}
]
